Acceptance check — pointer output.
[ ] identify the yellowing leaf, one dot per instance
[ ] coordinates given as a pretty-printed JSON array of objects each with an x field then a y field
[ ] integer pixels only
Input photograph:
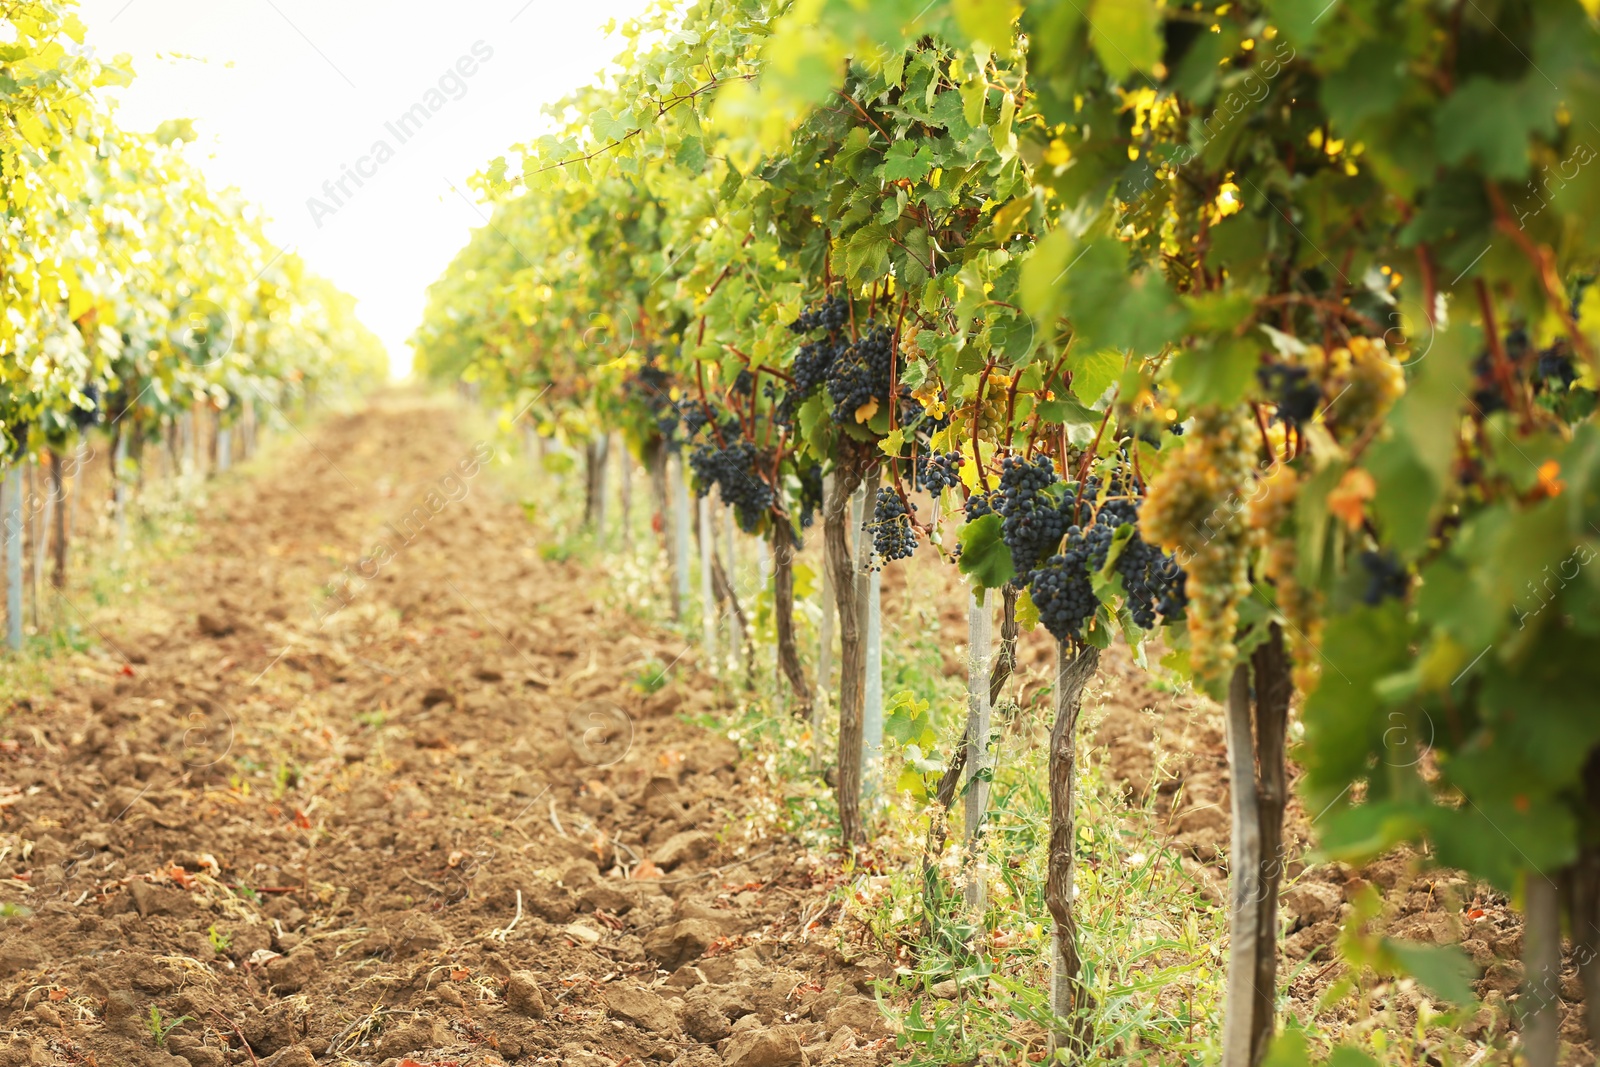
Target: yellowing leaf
[
  {"x": 1027, "y": 611},
  {"x": 1550, "y": 483},
  {"x": 1349, "y": 500}
]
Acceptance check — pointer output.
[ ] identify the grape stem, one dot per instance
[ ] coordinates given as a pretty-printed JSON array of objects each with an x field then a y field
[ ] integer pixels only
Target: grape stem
[
  {"x": 977, "y": 409},
  {"x": 894, "y": 401},
  {"x": 1498, "y": 358},
  {"x": 705, "y": 404},
  {"x": 1088, "y": 457},
  {"x": 1327, "y": 307},
  {"x": 852, "y": 101},
  {"x": 1044, "y": 387},
  {"x": 1544, "y": 265},
  {"x": 1266, "y": 441},
  {"x": 1430, "y": 284},
  {"x": 1011, "y": 405}
]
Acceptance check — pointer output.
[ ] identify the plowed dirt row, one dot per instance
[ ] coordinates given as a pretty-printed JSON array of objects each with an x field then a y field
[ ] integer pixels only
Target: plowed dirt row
[{"x": 427, "y": 818}]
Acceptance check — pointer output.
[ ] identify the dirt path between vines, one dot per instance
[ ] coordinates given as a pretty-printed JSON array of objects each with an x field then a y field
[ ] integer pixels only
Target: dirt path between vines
[{"x": 437, "y": 824}]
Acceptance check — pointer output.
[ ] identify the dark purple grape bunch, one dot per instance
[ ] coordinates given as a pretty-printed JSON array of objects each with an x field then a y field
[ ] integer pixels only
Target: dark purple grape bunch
[
  {"x": 938, "y": 471},
  {"x": 893, "y": 536},
  {"x": 1295, "y": 395},
  {"x": 859, "y": 375},
  {"x": 829, "y": 315}
]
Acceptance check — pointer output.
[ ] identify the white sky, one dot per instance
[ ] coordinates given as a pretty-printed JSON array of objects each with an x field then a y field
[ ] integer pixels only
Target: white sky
[{"x": 286, "y": 93}]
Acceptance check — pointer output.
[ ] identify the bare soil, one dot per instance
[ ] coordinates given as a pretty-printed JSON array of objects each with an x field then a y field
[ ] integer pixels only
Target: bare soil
[{"x": 436, "y": 824}]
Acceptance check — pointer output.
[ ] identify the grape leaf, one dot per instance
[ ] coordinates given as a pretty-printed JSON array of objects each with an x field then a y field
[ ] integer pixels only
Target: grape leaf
[
  {"x": 1493, "y": 121},
  {"x": 906, "y": 160},
  {"x": 1370, "y": 83},
  {"x": 1093, "y": 372},
  {"x": 1126, "y": 35},
  {"x": 1216, "y": 373},
  {"x": 691, "y": 155},
  {"x": 1068, "y": 412},
  {"x": 984, "y": 556},
  {"x": 987, "y": 21},
  {"x": 1027, "y": 611},
  {"x": 1445, "y": 969}
]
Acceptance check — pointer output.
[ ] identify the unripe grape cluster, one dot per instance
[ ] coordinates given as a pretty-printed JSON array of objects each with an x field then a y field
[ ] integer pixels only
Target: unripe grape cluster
[
  {"x": 1192, "y": 511},
  {"x": 1271, "y": 513},
  {"x": 1363, "y": 380}
]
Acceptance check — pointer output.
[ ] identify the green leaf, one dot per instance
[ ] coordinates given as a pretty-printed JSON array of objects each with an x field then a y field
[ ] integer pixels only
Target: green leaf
[
  {"x": 607, "y": 127},
  {"x": 906, "y": 160},
  {"x": 1216, "y": 373},
  {"x": 1360, "y": 833},
  {"x": 1126, "y": 35},
  {"x": 1444, "y": 969},
  {"x": 1093, "y": 373},
  {"x": 910, "y": 782},
  {"x": 1406, "y": 497},
  {"x": 1068, "y": 412},
  {"x": 906, "y": 721},
  {"x": 984, "y": 556},
  {"x": 815, "y": 422},
  {"x": 1100, "y": 629},
  {"x": 1000, "y": 134},
  {"x": 866, "y": 253},
  {"x": 1371, "y": 83},
  {"x": 1240, "y": 243},
  {"x": 1119, "y": 541},
  {"x": 1301, "y": 19},
  {"x": 974, "y": 93},
  {"x": 1010, "y": 219},
  {"x": 1288, "y": 1050},
  {"x": 1413, "y": 467},
  {"x": 1493, "y": 121},
  {"x": 987, "y": 22},
  {"x": 1543, "y": 704},
  {"x": 691, "y": 155},
  {"x": 1344, "y": 717},
  {"x": 1312, "y": 523},
  {"x": 1501, "y": 839},
  {"x": 1108, "y": 306},
  {"x": 1040, "y": 290},
  {"x": 1222, "y": 311}
]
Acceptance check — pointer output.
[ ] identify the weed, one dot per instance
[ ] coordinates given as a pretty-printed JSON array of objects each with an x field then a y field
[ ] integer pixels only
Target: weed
[
  {"x": 159, "y": 1028},
  {"x": 652, "y": 679}
]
